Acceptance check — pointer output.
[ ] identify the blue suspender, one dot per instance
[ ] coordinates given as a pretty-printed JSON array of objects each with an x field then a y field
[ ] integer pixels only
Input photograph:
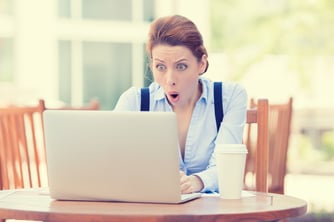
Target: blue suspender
[
  {"x": 145, "y": 99},
  {"x": 145, "y": 102},
  {"x": 218, "y": 100}
]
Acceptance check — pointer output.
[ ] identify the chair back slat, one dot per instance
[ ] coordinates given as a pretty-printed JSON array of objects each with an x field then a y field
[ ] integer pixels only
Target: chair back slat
[
  {"x": 280, "y": 116},
  {"x": 260, "y": 155},
  {"x": 22, "y": 156}
]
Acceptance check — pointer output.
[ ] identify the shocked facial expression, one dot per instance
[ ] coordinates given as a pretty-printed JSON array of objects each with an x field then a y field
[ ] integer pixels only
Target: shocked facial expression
[{"x": 177, "y": 70}]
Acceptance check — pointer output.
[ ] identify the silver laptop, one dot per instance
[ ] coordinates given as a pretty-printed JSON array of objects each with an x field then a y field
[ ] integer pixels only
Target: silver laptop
[{"x": 113, "y": 156}]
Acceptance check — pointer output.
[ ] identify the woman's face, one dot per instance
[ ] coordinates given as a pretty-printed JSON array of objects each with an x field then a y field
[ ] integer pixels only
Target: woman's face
[{"x": 177, "y": 71}]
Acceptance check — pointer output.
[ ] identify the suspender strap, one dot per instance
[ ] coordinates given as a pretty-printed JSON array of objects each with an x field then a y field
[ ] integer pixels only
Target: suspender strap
[
  {"x": 145, "y": 99},
  {"x": 218, "y": 100}
]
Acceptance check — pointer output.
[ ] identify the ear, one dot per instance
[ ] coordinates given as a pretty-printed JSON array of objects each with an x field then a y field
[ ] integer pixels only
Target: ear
[{"x": 203, "y": 64}]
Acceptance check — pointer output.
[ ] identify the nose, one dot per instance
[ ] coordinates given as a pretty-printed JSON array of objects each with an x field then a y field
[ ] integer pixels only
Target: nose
[{"x": 170, "y": 78}]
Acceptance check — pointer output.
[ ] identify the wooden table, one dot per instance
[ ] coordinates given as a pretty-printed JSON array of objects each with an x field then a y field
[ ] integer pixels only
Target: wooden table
[{"x": 36, "y": 204}]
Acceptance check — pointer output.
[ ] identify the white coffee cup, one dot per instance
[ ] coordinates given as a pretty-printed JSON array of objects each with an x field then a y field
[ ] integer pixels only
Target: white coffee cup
[{"x": 230, "y": 161}]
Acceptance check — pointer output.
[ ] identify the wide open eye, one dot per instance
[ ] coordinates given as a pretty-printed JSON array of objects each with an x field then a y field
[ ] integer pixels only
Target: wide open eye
[
  {"x": 181, "y": 66},
  {"x": 160, "y": 67}
]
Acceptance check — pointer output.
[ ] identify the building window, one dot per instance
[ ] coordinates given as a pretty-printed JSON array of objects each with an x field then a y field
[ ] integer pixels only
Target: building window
[
  {"x": 65, "y": 70},
  {"x": 64, "y": 8},
  {"x": 148, "y": 8},
  {"x": 101, "y": 55},
  {"x": 107, "y": 71},
  {"x": 107, "y": 9},
  {"x": 6, "y": 7},
  {"x": 6, "y": 60}
]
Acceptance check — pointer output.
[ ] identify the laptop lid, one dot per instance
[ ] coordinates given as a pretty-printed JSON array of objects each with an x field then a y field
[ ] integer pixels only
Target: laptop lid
[{"x": 113, "y": 156}]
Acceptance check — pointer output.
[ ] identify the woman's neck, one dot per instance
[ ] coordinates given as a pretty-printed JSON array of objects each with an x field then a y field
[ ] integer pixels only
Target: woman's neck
[{"x": 190, "y": 104}]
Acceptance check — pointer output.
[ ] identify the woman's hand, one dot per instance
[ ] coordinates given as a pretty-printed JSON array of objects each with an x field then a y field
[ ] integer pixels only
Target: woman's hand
[{"x": 190, "y": 184}]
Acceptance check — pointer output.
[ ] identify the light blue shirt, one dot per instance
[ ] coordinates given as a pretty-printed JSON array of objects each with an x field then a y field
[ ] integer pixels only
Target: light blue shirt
[{"x": 202, "y": 133}]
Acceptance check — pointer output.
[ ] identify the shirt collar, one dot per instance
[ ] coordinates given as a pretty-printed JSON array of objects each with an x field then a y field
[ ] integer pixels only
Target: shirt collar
[
  {"x": 160, "y": 94},
  {"x": 205, "y": 91}
]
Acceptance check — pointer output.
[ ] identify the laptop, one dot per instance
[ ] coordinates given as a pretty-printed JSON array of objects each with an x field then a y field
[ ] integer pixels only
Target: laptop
[{"x": 113, "y": 156}]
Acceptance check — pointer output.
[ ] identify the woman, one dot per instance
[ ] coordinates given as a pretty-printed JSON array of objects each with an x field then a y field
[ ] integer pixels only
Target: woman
[{"x": 178, "y": 59}]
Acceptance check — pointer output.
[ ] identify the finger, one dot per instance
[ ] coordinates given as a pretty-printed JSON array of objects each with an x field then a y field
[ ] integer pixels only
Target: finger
[
  {"x": 185, "y": 184},
  {"x": 186, "y": 188},
  {"x": 183, "y": 177}
]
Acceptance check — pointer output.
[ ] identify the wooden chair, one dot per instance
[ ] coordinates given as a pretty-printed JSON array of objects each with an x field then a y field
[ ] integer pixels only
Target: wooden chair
[
  {"x": 22, "y": 157},
  {"x": 258, "y": 117},
  {"x": 22, "y": 149},
  {"x": 279, "y": 133},
  {"x": 280, "y": 116}
]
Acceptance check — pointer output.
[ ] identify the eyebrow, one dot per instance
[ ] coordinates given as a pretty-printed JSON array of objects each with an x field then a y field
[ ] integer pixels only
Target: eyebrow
[
  {"x": 178, "y": 61},
  {"x": 182, "y": 60},
  {"x": 159, "y": 60}
]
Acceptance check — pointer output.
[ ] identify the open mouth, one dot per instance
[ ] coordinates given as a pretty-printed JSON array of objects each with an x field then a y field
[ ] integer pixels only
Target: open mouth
[{"x": 174, "y": 95}]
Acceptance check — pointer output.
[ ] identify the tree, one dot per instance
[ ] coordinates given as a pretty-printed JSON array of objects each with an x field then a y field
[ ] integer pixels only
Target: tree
[{"x": 253, "y": 29}]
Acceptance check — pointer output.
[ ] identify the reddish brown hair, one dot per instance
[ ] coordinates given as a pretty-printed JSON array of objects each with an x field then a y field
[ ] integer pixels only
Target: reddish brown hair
[{"x": 176, "y": 30}]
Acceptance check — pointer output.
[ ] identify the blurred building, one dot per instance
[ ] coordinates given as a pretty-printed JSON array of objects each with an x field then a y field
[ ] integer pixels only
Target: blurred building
[{"x": 69, "y": 51}]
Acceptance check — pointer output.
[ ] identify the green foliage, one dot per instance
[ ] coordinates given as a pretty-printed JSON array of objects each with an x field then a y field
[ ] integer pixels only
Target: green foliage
[
  {"x": 306, "y": 152},
  {"x": 290, "y": 26},
  {"x": 327, "y": 141},
  {"x": 295, "y": 28}
]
